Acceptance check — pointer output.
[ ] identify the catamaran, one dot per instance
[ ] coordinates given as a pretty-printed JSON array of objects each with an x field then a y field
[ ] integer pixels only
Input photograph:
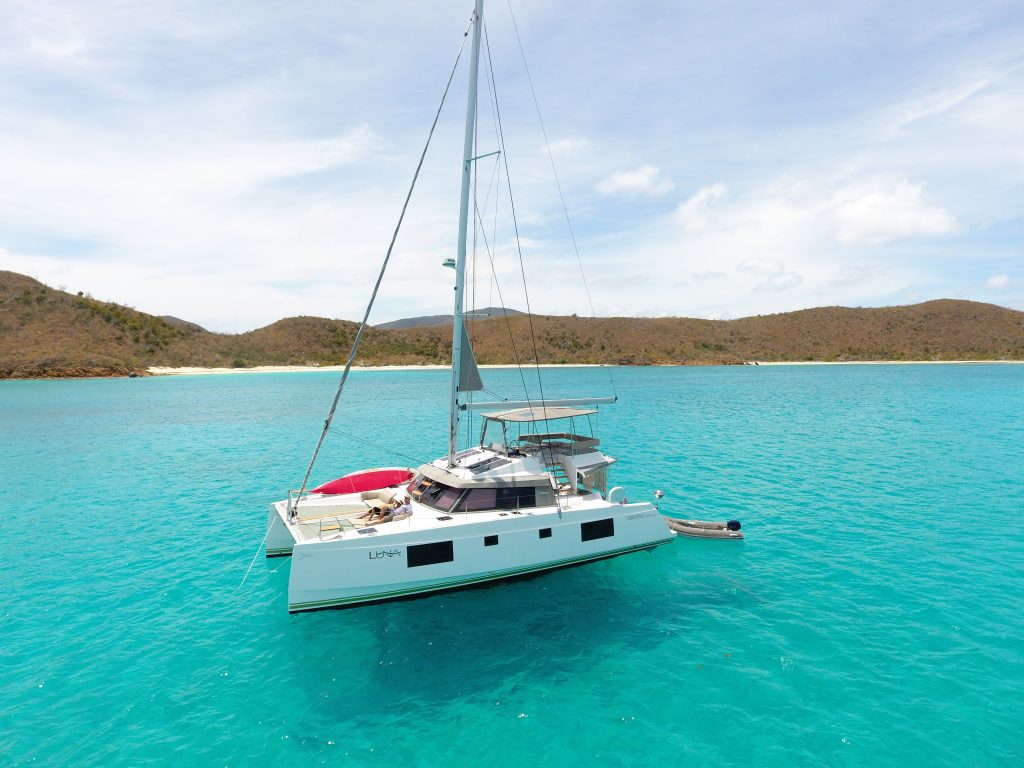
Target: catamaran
[{"x": 531, "y": 495}]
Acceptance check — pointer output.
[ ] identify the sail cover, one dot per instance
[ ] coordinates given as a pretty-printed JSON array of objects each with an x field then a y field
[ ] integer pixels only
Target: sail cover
[{"x": 469, "y": 376}]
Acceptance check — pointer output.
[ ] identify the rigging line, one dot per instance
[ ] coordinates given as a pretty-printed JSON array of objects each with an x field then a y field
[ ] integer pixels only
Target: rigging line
[
  {"x": 269, "y": 573},
  {"x": 494, "y": 394},
  {"x": 494, "y": 230},
  {"x": 504, "y": 309},
  {"x": 472, "y": 301},
  {"x": 492, "y": 99},
  {"x": 380, "y": 277},
  {"x": 490, "y": 255},
  {"x": 515, "y": 224},
  {"x": 379, "y": 446},
  {"x": 253, "y": 561},
  {"x": 476, "y": 196},
  {"x": 558, "y": 183}
]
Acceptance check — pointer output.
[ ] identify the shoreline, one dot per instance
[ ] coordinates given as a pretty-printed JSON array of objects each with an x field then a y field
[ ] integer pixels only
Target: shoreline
[
  {"x": 117, "y": 373},
  {"x": 156, "y": 370},
  {"x": 201, "y": 371},
  {"x": 885, "y": 362}
]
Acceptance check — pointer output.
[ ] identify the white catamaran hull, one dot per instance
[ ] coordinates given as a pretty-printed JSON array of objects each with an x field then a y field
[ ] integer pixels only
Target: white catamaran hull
[{"x": 376, "y": 567}]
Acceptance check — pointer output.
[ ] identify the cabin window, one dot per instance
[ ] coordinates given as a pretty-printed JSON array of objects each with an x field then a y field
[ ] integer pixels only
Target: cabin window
[
  {"x": 517, "y": 497},
  {"x": 430, "y": 554},
  {"x": 545, "y": 496},
  {"x": 545, "y": 533},
  {"x": 597, "y": 529},
  {"x": 447, "y": 498},
  {"x": 478, "y": 499},
  {"x": 439, "y": 496},
  {"x": 490, "y": 541},
  {"x": 418, "y": 485}
]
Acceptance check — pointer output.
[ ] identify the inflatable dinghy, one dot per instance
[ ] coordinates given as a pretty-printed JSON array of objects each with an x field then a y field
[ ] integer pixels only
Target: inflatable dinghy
[{"x": 705, "y": 530}]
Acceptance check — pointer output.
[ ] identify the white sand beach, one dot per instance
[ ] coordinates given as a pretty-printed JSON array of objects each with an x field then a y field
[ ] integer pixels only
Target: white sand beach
[
  {"x": 196, "y": 371},
  {"x": 190, "y": 371}
]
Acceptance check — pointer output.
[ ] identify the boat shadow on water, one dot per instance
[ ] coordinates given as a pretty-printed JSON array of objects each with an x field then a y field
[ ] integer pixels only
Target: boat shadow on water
[{"x": 482, "y": 640}]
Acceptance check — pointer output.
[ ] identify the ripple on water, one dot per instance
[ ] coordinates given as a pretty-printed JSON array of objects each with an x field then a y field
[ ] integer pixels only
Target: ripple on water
[{"x": 871, "y": 617}]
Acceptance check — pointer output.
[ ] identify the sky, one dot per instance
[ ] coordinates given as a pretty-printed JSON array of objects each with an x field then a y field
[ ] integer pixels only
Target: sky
[{"x": 235, "y": 163}]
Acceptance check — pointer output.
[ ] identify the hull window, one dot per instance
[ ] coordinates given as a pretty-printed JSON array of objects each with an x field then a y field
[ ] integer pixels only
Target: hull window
[
  {"x": 545, "y": 533},
  {"x": 490, "y": 541},
  {"x": 430, "y": 554},
  {"x": 598, "y": 529}
]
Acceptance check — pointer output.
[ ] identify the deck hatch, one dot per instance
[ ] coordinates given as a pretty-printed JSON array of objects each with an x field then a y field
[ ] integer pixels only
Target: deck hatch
[{"x": 488, "y": 464}]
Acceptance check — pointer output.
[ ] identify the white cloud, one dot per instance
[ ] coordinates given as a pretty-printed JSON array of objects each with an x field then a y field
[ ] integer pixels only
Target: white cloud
[
  {"x": 236, "y": 168},
  {"x": 935, "y": 103},
  {"x": 773, "y": 273},
  {"x": 998, "y": 281},
  {"x": 693, "y": 213},
  {"x": 761, "y": 267},
  {"x": 645, "y": 180},
  {"x": 882, "y": 212}
]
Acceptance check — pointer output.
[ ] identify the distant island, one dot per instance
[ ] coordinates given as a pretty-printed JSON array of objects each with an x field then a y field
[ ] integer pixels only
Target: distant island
[{"x": 48, "y": 333}]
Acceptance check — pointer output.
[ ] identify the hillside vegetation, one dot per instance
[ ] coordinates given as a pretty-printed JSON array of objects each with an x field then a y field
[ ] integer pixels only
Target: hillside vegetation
[{"x": 47, "y": 332}]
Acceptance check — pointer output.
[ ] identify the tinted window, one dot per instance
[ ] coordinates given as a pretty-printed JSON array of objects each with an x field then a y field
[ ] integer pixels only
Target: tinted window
[
  {"x": 479, "y": 498},
  {"x": 516, "y": 498},
  {"x": 490, "y": 541},
  {"x": 545, "y": 533},
  {"x": 598, "y": 529},
  {"x": 417, "y": 486},
  {"x": 429, "y": 554},
  {"x": 446, "y": 498},
  {"x": 545, "y": 496},
  {"x": 439, "y": 496}
]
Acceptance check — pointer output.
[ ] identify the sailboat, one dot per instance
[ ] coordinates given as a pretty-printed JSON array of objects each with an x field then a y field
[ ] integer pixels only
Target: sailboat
[{"x": 532, "y": 495}]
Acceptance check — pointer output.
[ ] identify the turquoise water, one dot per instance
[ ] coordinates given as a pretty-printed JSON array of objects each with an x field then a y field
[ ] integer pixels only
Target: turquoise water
[{"x": 873, "y": 616}]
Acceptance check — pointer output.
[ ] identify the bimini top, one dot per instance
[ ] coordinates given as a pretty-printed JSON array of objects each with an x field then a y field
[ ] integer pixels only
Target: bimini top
[{"x": 546, "y": 413}]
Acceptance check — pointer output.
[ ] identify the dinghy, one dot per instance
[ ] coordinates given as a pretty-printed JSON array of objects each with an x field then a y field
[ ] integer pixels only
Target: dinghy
[{"x": 703, "y": 529}]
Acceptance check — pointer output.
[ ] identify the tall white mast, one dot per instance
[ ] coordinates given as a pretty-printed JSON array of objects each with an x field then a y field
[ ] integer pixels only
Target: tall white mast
[{"x": 458, "y": 323}]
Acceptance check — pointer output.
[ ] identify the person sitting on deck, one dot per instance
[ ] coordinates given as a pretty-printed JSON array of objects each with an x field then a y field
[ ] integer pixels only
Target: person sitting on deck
[
  {"x": 378, "y": 511},
  {"x": 398, "y": 512}
]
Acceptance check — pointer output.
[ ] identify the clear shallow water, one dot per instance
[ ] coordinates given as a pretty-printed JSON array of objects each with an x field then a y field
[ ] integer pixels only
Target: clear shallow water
[{"x": 873, "y": 616}]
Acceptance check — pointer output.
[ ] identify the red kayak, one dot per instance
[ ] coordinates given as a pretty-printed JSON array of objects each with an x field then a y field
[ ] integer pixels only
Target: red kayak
[{"x": 367, "y": 480}]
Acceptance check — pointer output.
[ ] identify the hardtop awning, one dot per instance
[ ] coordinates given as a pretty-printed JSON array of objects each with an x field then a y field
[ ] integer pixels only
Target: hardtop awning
[
  {"x": 599, "y": 462},
  {"x": 548, "y": 413}
]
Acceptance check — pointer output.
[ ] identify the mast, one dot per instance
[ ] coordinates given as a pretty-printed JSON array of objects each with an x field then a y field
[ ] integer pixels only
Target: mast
[{"x": 458, "y": 324}]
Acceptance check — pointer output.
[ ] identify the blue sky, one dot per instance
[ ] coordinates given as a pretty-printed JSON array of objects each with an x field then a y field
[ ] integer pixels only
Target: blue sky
[{"x": 235, "y": 163}]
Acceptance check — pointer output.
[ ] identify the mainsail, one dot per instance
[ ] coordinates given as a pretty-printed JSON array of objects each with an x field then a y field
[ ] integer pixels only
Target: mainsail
[{"x": 469, "y": 375}]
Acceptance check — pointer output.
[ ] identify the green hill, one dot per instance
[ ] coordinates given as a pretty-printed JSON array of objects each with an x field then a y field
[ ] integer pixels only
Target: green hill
[{"x": 47, "y": 332}]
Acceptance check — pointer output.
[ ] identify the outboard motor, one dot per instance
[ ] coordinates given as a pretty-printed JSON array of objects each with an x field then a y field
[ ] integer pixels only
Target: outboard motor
[{"x": 733, "y": 525}]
